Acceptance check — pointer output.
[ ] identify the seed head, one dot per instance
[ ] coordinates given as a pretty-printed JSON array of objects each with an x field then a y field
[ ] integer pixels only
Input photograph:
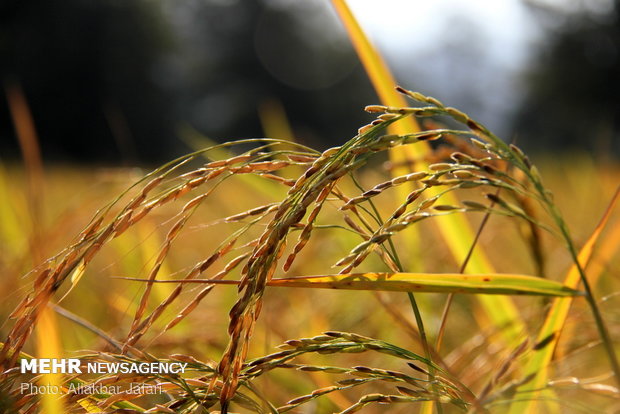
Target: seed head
[{"x": 375, "y": 108}]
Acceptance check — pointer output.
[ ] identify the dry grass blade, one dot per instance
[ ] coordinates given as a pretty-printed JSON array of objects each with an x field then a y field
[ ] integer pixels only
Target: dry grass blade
[
  {"x": 29, "y": 144},
  {"x": 429, "y": 282},
  {"x": 49, "y": 346},
  {"x": 488, "y": 283}
]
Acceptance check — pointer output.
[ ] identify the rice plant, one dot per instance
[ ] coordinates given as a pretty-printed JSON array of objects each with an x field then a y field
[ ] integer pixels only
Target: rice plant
[{"x": 285, "y": 218}]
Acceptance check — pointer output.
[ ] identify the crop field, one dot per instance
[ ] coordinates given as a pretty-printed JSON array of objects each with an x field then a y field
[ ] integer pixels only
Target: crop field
[{"x": 425, "y": 265}]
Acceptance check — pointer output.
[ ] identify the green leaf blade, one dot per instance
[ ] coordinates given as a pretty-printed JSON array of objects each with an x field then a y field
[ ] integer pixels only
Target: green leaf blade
[{"x": 490, "y": 283}]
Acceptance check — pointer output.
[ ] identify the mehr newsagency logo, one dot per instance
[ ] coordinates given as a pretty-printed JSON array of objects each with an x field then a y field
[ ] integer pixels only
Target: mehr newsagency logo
[{"x": 75, "y": 366}]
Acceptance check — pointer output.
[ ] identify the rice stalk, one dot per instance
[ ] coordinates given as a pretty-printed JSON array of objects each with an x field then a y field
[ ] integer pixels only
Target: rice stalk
[
  {"x": 256, "y": 240},
  {"x": 501, "y": 311}
]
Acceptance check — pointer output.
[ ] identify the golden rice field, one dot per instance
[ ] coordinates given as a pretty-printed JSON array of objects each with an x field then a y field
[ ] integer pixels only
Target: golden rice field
[
  {"x": 424, "y": 265},
  {"x": 203, "y": 218}
]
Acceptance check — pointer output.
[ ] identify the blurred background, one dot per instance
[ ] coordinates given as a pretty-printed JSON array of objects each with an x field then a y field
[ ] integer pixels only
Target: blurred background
[{"x": 133, "y": 82}]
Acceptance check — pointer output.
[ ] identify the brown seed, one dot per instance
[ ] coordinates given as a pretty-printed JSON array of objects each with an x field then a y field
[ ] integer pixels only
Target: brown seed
[
  {"x": 474, "y": 205},
  {"x": 122, "y": 223},
  {"x": 445, "y": 208},
  {"x": 364, "y": 129},
  {"x": 407, "y": 391},
  {"x": 323, "y": 195},
  {"x": 135, "y": 202},
  {"x": 299, "y": 400},
  {"x": 489, "y": 169},
  {"x": 196, "y": 182},
  {"x": 324, "y": 390},
  {"x": 431, "y": 182},
  {"x": 434, "y": 101},
  {"x": 383, "y": 185},
  {"x": 428, "y": 137},
  {"x": 371, "y": 193},
  {"x": 396, "y": 228},
  {"x": 387, "y": 117},
  {"x": 194, "y": 202},
  {"x": 352, "y": 224},
  {"x": 416, "y": 176},
  {"x": 427, "y": 203},
  {"x": 440, "y": 166},
  {"x": 329, "y": 152},
  {"x": 399, "y": 212},
  {"x": 375, "y": 108},
  {"x": 379, "y": 238},
  {"x": 268, "y": 165},
  {"x": 301, "y": 158},
  {"x": 462, "y": 174},
  {"x": 402, "y": 90},
  {"x": 215, "y": 173},
  {"x": 474, "y": 126},
  {"x": 494, "y": 198},
  {"x": 91, "y": 229},
  {"x": 457, "y": 115},
  {"x": 152, "y": 184},
  {"x": 413, "y": 196}
]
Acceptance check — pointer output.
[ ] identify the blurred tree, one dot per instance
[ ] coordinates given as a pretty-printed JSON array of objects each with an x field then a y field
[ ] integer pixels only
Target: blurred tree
[
  {"x": 235, "y": 55},
  {"x": 85, "y": 67},
  {"x": 572, "y": 97},
  {"x": 112, "y": 80}
]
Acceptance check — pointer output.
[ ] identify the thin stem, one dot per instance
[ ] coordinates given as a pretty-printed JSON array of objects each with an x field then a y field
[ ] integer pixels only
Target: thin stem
[
  {"x": 420, "y": 323},
  {"x": 446, "y": 309},
  {"x": 85, "y": 324},
  {"x": 424, "y": 340}
]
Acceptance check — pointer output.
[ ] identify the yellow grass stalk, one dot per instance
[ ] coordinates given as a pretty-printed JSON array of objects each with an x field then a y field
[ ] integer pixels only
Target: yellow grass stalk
[
  {"x": 31, "y": 154},
  {"x": 494, "y": 283},
  {"x": 11, "y": 231},
  {"x": 49, "y": 346},
  {"x": 606, "y": 249},
  {"x": 276, "y": 124},
  {"x": 26, "y": 134},
  {"x": 384, "y": 83},
  {"x": 274, "y": 120},
  {"x": 548, "y": 336},
  {"x": 455, "y": 228}
]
